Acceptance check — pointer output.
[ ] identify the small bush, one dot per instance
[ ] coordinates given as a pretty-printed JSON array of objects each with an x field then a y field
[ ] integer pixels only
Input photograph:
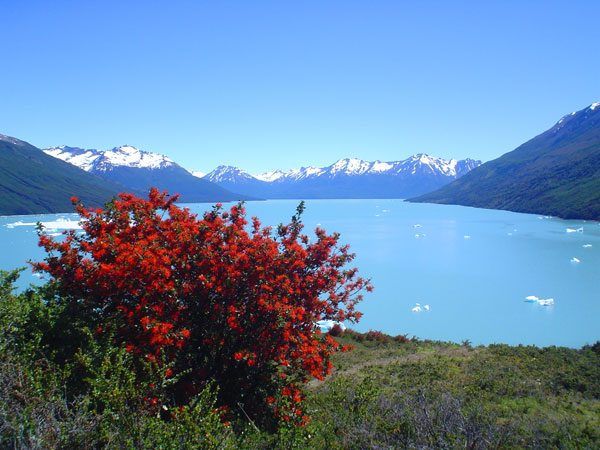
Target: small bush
[
  {"x": 377, "y": 336},
  {"x": 402, "y": 338},
  {"x": 336, "y": 330}
]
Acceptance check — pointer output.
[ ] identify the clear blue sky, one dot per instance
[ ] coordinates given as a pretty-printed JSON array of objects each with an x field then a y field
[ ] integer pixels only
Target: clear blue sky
[{"x": 282, "y": 84}]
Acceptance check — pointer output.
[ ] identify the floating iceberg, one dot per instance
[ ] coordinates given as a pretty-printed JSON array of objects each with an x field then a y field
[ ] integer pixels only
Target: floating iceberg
[
  {"x": 587, "y": 245},
  {"x": 539, "y": 301},
  {"x": 575, "y": 260},
  {"x": 418, "y": 308},
  {"x": 466, "y": 236},
  {"x": 58, "y": 224},
  {"x": 63, "y": 224},
  {"x": 575, "y": 230},
  {"x": 20, "y": 223},
  {"x": 546, "y": 302},
  {"x": 417, "y": 225}
]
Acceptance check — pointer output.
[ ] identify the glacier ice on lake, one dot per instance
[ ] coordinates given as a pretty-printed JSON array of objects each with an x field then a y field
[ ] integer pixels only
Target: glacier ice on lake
[
  {"x": 539, "y": 301},
  {"x": 546, "y": 302},
  {"x": 58, "y": 224}
]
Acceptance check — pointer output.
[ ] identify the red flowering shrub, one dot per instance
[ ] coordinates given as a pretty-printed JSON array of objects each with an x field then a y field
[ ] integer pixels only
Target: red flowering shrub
[
  {"x": 377, "y": 336},
  {"x": 336, "y": 330},
  {"x": 212, "y": 298}
]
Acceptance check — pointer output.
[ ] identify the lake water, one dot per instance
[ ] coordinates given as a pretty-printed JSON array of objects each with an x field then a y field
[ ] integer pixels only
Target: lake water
[{"x": 473, "y": 267}]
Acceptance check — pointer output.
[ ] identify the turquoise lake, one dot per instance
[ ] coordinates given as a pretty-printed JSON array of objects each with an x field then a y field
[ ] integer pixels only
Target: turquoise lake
[{"x": 474, "y": 268}]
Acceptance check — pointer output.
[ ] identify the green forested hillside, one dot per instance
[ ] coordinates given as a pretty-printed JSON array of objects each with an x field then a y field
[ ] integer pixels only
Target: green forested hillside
[
  {"x": 556, "y": 173},
  {"x": 32, "y": 182}
]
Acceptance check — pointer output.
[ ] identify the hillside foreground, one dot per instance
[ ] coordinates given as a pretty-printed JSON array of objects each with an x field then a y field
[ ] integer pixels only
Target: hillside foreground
[{"x": 387, "y": 392}]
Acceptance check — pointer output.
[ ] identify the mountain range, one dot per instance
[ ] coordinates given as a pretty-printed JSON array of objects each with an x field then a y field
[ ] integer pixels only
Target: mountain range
[
  {"x": 556, "y": 173},
  {"x": 32, "y": 182},
  {"x": 139, "y": 170},
  {"x": 347, "y": 178}
]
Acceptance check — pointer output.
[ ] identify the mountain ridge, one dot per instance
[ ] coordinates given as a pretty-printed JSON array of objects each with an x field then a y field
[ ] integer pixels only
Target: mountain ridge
[
  {"x": 140, "y": 170},
  {"x": 555, "y": 173},
  {"x": 32, "y": 182},
  {"x": 347, "y": 178}
]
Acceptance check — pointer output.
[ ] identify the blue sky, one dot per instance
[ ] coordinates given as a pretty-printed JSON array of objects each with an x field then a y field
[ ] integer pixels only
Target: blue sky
[{"x": 267, "y": 85}]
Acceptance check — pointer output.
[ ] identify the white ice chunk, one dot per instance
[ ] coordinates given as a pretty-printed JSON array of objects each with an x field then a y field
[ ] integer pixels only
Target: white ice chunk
[
  {"x": 575, "y": 260},
  {"x": 546, "y": 302},
  {"x": 63, "y": 224},
  {"x": 587, "y": 245},
  {"x": 20, "y": 223}
]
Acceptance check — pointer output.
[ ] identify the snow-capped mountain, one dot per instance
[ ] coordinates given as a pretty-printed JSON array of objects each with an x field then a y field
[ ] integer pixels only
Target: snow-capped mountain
[
  {"x": 347, "y": 178},
  {"x": 223, "y": 174},
  {"x": 140, "y": 170},
  {"x": 93, "y": 160}
]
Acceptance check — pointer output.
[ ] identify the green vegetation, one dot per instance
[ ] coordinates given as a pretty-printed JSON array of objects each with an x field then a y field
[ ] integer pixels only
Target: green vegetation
[
  {"x": 62, "y": 387},
  {"x": 556, "y": 173},
  {"x": 32, "y": 182}
]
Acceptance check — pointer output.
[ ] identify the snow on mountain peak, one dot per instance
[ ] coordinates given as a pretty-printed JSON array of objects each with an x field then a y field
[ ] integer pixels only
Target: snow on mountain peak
[
  {"x": 227, "y": 173},
  {"x": 82, "y": 158},
  {"x": 270, "y": 176},
  {"x": 103, "y": 160},
  {"x": 129, "y": 156},
  {"x": 350, "y": 166},
  {"x": 593, "y": 106},
  {"x": 355, "y": 166}
]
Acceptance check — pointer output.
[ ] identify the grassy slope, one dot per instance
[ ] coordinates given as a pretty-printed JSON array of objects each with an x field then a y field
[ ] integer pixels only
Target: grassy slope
[{"x": 421, "y": 394}]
